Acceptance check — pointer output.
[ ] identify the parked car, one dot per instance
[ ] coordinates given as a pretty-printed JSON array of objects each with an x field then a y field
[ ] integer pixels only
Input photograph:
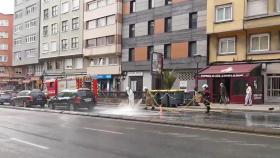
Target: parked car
[
  {"x": 74, "y": 99},
  {"x": 29, "y": 98},
  {"x": 5, "y": 98}
]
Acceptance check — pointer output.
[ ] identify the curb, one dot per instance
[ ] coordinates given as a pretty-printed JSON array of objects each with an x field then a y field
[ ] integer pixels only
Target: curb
[{"x": 235, "y": 128}]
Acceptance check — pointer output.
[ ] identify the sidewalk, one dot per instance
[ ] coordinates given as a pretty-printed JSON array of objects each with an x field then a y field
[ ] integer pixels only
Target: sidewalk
[{"x": 231, "y": 107}]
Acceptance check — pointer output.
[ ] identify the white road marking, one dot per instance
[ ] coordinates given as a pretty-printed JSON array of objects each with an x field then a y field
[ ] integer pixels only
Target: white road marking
[
  {"x": 101, "y": 130},
  {"x": 248, "y": 144},
  {"x": 29, "y": 143}
]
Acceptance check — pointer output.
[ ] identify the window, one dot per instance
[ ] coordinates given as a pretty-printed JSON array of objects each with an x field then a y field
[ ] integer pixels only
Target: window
[
  {"x": 224, "y": 13},
  {"x": 131, "y": 30},
  {"x": 167, "y": 51},
  {"x": 30, "y": 53},
  {"x": 3, "y": 34},
  {"x": 101, "y": 3},
  {"x": 54, "y": 28},
  {"x": 150, "y": 52},
  {"x": 49, "y": 65},
  {"x": 101, "y": 41},
  {"x": 58, "y": 64},
  {"x": 79, "y": 63},
  {"x": 64, "y": 26},
  {"x": 30, "y": 9},
  {"x": 192, "y": 48},
  {"x": 227, "y": 45},
  {"x": 46, "y": 14},
  {"x": 257, "y": 7},
  {"x": 91, "y": 42},
  {"x": 278, "y": 5},
  {"x": 132, "y": 6},
  {"x": 53, "y": 46},
  {"x": 75, "y": 4},
  {"x": 65, "y": 7},
  {"x": 3, "y": 46},
  {"x": 167, "y": 2},
  {"x": 110, "y": 40},
  {"x": 151, "y": 4},
  {"x": 45, "y": 30},
  {"x": 111, "y": 20},
  {"x": 30, "y": 24},
  {"x": 2, "y": 70},
  {"x": 45, "y": 47},
  {"x": 110, "y": 2},
  {"x": 30, "y": 39},
  {"x": 4, "y": 23},
  {"x": 193, "y": 20},
  {"x": 131, "y": 54},
  {"x": 91, "y": 24},
  {"x": 74, "y": 42},
  {"x": 17, "y": 41},
  {"x": 91, "y": 5},
  {"x": 18, "y": 2},
  {"x": 18, "y": 14},
  {"x": 18, "y": 28},
  {"x": 151, "y": 27},
  {"x": 17, "y": 55},
  {"x": 101, "y": 61},
  {"x": 75, "y": 23},
  {"x": 113, "y": 60},
  {"x": 18, "y": 71},
  {"x": 54, "y": 11},
  {"x": 68, "y": 63},
  {"x": 3, "y": 58},
  {"x": 64, "y": 44},
  {"x": 260, "y": 42},
  {"x": 168, "y": 24},
  {"x": 30, "y": 69},
  {"x": 101, "y": 22}
]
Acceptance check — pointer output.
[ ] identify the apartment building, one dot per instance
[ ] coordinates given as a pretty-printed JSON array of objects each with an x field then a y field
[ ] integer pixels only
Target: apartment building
[
  {"x": 175, "y": 28},
  {"x": 244, "y": 37},
  {"x": 102, "y": 42},
  {"x": 26, "y": 41},
  {"x": 61, "y": 33},
  {"x": 6, "y": 46}
]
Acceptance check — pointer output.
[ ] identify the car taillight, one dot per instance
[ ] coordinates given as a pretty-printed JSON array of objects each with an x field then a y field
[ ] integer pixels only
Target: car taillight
[
  {"x": 78, "y": 100},
  {"x": 30, "y": 98}
]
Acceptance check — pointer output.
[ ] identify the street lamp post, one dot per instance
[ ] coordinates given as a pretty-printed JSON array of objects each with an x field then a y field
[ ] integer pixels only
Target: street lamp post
[{"x": 197, "y": 59}]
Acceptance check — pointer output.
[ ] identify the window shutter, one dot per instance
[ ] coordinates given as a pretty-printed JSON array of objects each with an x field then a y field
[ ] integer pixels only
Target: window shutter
[{"x": 256, "y": 7}]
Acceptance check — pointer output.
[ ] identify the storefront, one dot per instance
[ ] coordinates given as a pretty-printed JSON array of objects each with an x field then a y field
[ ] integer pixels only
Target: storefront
[
  {"x": 271, "y": 73},
  {"x": 235, "y": 77},
  {"x": 107, "y": 83}
]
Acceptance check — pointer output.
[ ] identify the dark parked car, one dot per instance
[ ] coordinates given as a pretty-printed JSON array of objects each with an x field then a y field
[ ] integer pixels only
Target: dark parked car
[
  {"x": 5, "y": 98},
  {"x": 74, "y": 99},
  {"x": 29, "y": 98}
]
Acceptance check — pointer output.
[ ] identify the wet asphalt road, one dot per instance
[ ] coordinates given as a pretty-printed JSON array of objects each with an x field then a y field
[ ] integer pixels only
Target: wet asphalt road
[{"x": 27, "y": 134}]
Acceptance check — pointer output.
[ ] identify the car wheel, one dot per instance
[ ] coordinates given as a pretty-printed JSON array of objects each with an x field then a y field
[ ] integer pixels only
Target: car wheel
[
  {"x": 72, "y": 107},
  {"x": 1, "y": 103},
  {"x": 12, "y": 103},
  {"x": 42, "y": 106}
]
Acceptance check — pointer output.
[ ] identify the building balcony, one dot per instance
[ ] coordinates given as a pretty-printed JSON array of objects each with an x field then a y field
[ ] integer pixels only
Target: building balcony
[
  {"x": 101, "y": 70},
  {"x": 102, "y": 31},
  {"x": 262, "y": 21},
  {"x": 103, "y": 50}
]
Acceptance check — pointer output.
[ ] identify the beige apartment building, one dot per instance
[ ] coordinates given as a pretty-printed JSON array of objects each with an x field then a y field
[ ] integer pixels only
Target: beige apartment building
[
  {"x": 61, "y": 32},
  {"x": 102, "y": 42}
]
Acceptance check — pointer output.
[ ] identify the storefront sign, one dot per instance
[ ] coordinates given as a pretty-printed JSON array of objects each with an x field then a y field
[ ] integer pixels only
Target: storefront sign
[
  {"x": 257, "y": 96},
  {"x": 157, "y": 63},
  {"x": 135, "y": 74},
  {"x": 222, "y": 75},
  {"x": 104, "y": 77}
]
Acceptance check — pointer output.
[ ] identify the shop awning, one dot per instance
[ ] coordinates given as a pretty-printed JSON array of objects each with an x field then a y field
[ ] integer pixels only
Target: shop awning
[{"x": 233, "y": 70}]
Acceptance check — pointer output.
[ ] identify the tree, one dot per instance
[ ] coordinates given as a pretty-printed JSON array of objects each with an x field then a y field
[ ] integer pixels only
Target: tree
[{"x": 169, "y": 78}]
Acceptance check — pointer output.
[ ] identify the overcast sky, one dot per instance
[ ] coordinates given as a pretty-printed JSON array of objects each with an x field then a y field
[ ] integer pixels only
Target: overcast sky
[{"x": 7, "y": 6}]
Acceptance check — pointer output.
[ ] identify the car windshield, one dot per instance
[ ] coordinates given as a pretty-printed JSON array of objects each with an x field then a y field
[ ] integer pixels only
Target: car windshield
[
  {"x": 82, "y": 93},
  {"x": 66, "y": 94}
]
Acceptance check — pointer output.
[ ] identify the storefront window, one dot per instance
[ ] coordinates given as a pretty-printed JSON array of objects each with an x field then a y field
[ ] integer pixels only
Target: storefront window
[{"x": 239, "y": 87}]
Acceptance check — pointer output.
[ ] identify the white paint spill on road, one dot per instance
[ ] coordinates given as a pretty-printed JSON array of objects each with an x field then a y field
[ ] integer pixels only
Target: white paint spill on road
[
  {"x": 29, "y": 143},
  {"x": 104, "y": 131}
]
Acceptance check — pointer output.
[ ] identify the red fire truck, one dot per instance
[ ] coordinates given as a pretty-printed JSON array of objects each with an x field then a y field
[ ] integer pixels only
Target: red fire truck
[{"x": 54, "y": 86}]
